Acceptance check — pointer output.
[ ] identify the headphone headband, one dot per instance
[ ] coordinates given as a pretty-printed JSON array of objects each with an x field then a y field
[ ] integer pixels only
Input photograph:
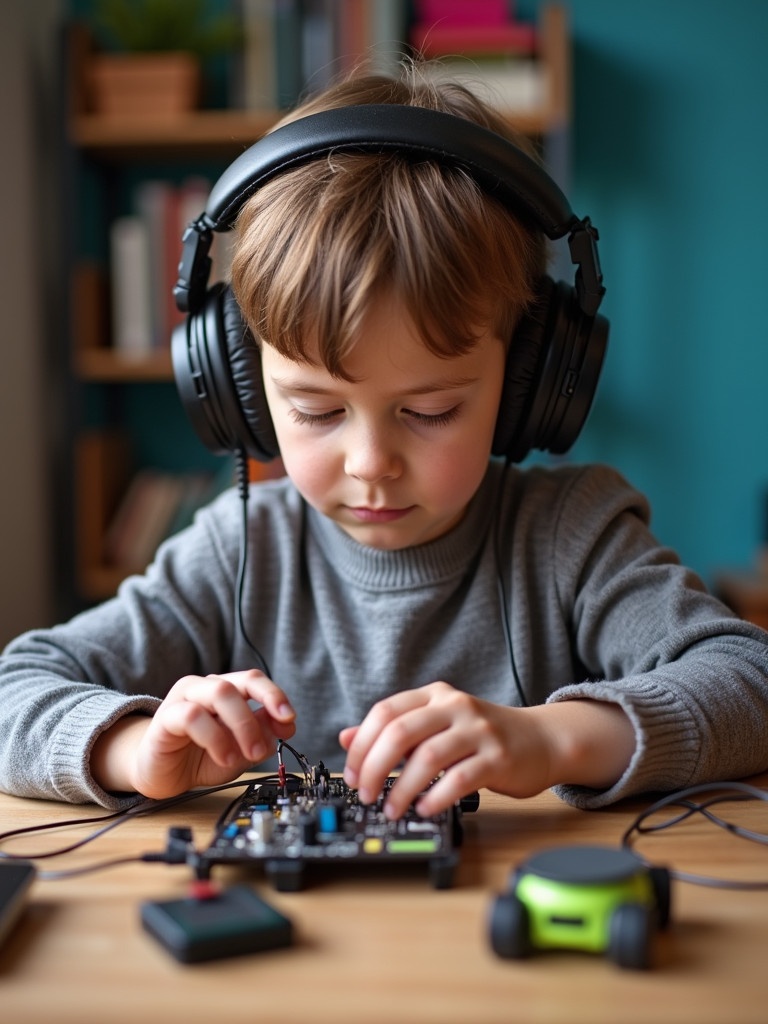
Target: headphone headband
[
  {"x": 500, "y": 168},
  {"x": 553, "y": 359},
  {"x": 495, "y": 163}
]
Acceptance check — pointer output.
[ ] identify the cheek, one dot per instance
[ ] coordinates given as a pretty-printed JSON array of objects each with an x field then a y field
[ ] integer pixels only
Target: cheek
[
  {"x": 453, "y": 474},
  {"x": 308, "y": 467}
]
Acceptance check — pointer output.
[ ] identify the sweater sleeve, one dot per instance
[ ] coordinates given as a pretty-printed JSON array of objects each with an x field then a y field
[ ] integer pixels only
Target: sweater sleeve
[
  {"x": 691, "y": 676},
  {"x": 61, "y": 687}
]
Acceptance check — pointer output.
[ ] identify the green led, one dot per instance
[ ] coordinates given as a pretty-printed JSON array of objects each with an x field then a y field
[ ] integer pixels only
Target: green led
[{"x": 411, "y": 846}]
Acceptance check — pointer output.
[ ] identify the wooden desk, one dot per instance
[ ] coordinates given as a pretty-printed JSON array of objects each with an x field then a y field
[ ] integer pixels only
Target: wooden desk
[{"x": 383, "y": 947}]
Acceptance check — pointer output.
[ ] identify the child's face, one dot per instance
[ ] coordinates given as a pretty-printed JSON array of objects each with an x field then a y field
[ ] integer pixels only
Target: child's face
[{"x": 395, "y": 456}]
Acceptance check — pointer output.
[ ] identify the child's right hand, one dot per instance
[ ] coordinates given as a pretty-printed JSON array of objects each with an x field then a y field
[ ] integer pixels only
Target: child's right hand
[{"x": 203, "y": 734}]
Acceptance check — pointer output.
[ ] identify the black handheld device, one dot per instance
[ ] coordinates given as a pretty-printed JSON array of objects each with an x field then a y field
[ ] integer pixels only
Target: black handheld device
[
  {"x": 16, "y": 877},
  {"x": 217, "y": 924}
]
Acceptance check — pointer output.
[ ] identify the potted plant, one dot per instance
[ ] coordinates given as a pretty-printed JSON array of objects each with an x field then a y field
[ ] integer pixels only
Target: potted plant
[{"x": 151, "y": 55}]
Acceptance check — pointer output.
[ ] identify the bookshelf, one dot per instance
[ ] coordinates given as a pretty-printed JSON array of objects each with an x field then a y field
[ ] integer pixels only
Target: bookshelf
[{"x": 102, "y": 151}]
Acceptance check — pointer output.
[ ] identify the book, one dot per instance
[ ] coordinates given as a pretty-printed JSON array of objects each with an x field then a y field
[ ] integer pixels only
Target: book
[
  {"x": 156, "y": 203},
  {"x": 259, "y": 69},
  {"x": 464, "y": 12},
  {"x": 437, "y": 39},
  {"x": 511, "y": 85},
  {"x": 387, "y": 33},
  {"x": 145, "y": 249},
  {"x": 130, "y": 286},
  {"x": 142, "y": 519},
  {"x": 296, "y": 47},
  {"x": 288, "y": 52}
]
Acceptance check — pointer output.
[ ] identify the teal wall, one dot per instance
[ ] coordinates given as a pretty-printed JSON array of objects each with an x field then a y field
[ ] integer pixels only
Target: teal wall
[{"x": 670, "y": 159}]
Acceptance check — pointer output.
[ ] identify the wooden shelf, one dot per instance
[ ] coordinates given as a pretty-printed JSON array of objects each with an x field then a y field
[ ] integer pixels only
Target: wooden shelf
[
  {"x": 107, "y": 144},
  {"x": 213, "y": 133},
  {"x": 218, "y": 133},
  {"x": 104, "y": 365}
]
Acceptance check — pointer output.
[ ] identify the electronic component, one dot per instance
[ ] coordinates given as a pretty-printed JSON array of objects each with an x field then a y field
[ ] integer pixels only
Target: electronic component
[
  {"x": 286, "y": 823},
  {"x": 213, "y": 924}
]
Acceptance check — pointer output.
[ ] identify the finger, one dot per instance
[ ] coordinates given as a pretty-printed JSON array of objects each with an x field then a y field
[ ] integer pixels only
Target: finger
[
  {"x": 225, "y": 699},
  {"x": 464, "y": 777},
  {"x": 261, "y": 688},
  {"x": 346, "y": 736},
  {"x": 191, "y": 721},
  {"x": 372, "y": 727},
  {"x": 436, "y": 754},
  {"x": 396, "y": 743}
]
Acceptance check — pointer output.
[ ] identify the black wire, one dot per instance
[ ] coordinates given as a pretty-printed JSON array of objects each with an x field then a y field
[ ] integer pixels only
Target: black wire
[
  {"x": 506, "y": 624},
  {"x": 722, "y": 792},
  {"x": 243, "y": 487},
  {"x": 114, "y": 818},
  {"x": 88, "y": 869},
  {"x": 301, "y": 758}
]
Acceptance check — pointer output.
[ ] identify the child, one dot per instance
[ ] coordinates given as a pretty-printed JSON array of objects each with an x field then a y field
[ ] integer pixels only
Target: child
[{"x": 405, "y": 597}]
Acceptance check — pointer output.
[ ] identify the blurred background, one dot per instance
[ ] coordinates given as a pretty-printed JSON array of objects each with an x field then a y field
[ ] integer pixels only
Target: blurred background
[{"x": 653, "y": 124}]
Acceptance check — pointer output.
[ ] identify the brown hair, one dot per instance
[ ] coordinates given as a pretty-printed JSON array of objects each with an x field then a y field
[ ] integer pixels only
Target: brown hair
[{"x": 317, "y": 244}]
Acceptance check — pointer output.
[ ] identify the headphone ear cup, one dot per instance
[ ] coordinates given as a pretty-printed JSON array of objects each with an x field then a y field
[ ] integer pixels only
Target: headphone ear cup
[
  {"x": 217, "y": 367},
  {"x": 248, "y": 380},
  {"x": 551, "y": 374}
]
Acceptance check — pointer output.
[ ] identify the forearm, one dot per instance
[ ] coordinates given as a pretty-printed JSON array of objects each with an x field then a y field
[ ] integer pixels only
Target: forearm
[
  {"x": 588, "y": 742},
  {"x": 114, "y": 752}
]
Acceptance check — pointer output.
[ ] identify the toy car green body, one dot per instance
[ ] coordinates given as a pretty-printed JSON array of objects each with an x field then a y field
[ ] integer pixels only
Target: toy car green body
[{"x": 591, "y": 898}]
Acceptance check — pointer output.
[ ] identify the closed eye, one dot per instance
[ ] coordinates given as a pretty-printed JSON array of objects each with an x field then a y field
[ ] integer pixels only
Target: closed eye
[
  {"x": 315, "y": 419},
  {"x": 440, "y": 419}
]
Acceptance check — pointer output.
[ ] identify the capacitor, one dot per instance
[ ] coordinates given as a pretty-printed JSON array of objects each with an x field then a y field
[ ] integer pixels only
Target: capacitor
[
  {"x": 308, "y": 826},
  {"x": 262, "y": 825},
  {"x": 328, "y": 818}
]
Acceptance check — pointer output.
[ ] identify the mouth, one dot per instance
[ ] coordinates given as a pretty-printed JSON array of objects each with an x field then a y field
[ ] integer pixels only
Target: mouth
[{"x": 363, "y": 514}]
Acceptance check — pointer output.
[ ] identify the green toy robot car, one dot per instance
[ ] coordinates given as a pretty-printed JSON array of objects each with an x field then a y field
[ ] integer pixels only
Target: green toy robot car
[{"x": 591, "y": 898}]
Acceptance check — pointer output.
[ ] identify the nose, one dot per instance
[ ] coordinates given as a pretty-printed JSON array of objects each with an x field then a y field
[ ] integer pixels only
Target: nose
[{"x": 372, "y": 454}]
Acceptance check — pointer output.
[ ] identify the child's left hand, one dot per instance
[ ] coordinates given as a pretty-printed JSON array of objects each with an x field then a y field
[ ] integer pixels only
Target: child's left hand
[
  {"x": 476, "y": 744},
  {"x": 435, "y": 729}
]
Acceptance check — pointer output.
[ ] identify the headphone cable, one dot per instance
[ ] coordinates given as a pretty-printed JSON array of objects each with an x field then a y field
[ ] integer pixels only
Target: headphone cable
[
  {"x": 243, "y": 483},
  {"x": 503, "y": 599}
]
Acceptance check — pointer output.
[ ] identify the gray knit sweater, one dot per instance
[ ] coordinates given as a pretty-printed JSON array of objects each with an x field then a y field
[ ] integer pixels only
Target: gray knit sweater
[{"x": 595, "y": 608}]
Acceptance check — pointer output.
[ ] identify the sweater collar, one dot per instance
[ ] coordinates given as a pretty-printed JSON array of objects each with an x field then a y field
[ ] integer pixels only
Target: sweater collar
[{"x": 420, "y": 566}]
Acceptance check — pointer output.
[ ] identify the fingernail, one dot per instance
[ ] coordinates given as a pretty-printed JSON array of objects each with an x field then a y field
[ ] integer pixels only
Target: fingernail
[
  {"x": 286, "y": 711},
  {"x": 350, "y": 777},
  {"x": 258, "y": 750}
]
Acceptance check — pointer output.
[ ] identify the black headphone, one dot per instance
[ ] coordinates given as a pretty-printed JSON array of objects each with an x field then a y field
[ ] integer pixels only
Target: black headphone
[{"x": 557, "y": 351}]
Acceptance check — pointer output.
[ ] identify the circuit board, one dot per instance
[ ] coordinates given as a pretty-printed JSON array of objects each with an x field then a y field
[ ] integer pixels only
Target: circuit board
[{"x": 288, "y": 823}]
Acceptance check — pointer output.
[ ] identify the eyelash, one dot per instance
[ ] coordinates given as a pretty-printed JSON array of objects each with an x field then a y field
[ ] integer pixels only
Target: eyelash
[
  {"x": 441, "y": 419},
  {"x": 313, "y": 419}
]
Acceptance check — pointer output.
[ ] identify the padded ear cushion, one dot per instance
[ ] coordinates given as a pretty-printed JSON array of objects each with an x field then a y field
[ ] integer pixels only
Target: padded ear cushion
[
  {"x": 522, "y": 373},
  {"x": 217, "y": 367},
  {"x": 551, "y": 374},
  {"x": 248, "y": 381}
]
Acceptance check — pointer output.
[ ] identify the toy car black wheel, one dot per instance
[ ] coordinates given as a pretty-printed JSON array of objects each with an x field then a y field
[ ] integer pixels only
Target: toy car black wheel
[
  {"x": 662, "y": 890},
  {"x": 629, "y": 944},
  {"x": 509, "y": 927}
]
